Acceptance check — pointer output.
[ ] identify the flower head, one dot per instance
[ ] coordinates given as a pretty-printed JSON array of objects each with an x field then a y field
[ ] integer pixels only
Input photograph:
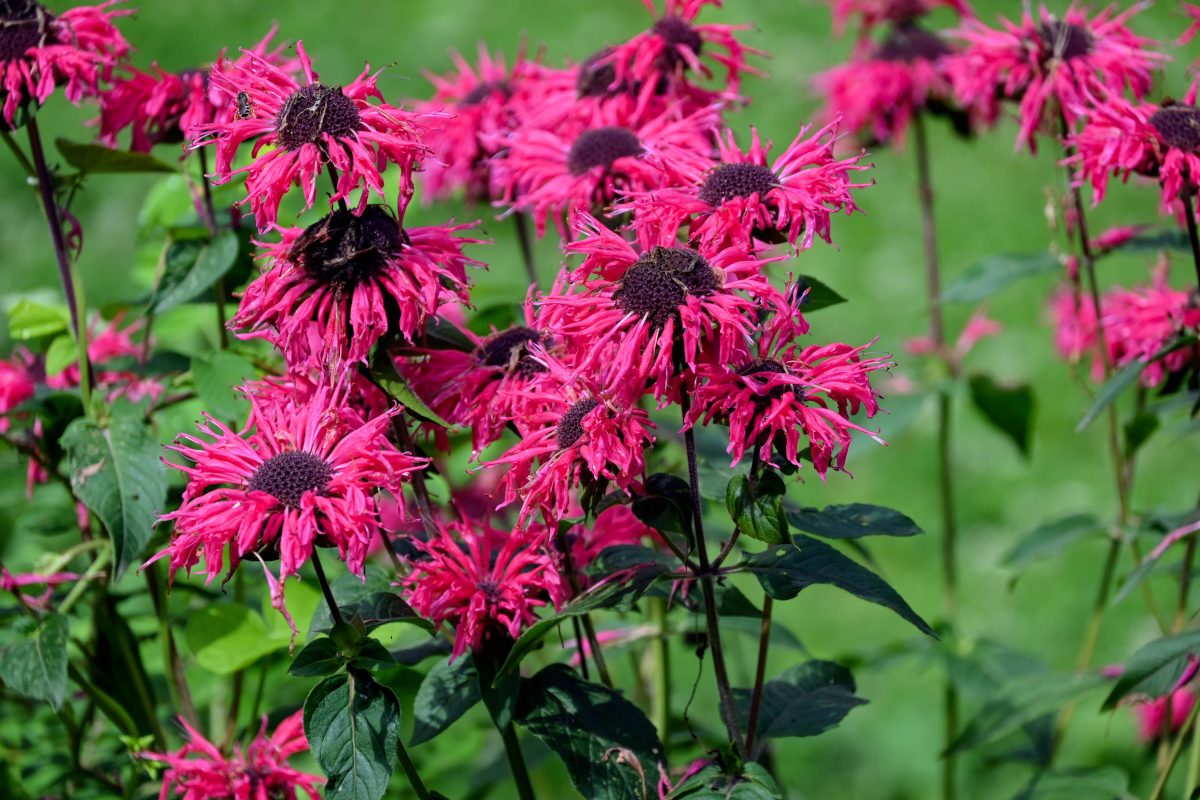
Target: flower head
[
  {"x": 871, "y": 13},
  {"x": 1045, "y": 58},
  {"x": 359, "y": 277},
  {"x": 39, "y": 50},
  {"x": 302, "y": 130},
  {"x": 303, "y": 473},
  {"x": 200, "y": 771},
  {"x": 483, "y": 581}
]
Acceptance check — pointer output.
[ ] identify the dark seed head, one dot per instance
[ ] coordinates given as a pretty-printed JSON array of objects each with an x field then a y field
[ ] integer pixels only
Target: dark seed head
[
  {"x": 343, "y": 250},
  {"x": 1064, "y": 41},
  {"x": 485, "y": 90},
  {"x": 597, "y": 81},
  {"x": 23, "y": 24},
  {"x": 659, "y": 282},
  {"x": 490, "y": 589},
  {"x": 570, "y": 427},
  {"x": 600, "y": 147},
  {"x": 313, "y": 110},
  {"x": 909, "y": 42},
  {"x": 1179, "y": 126},
  {"x": 766, "y": 367},
  {"x": 736, "y": 180},
  {"x": 510, "y": 350},
  {"x": 288, "y": 475},
  {"x": 676, "y": 32}
]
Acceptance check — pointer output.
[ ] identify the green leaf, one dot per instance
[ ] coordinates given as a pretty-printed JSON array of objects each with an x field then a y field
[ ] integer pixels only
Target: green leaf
[
  {"x": 819, "y": 295},
  {"x": 353, "y": 725},
  {"x": 117, "y": 671},
  {"x": 852, "y": 521},
  {"x": 1021, "y": 701},
  {"x": 610, "y": 749},
  {"x": 319, "y": 657},
  {"x": 227, "y": 637},
  {"x": 1008, "y": 408},
  {"x": 1105, "y": 783},
  {"x": 619, "y": 591},
  {"x": 94, "y": 158},
  {"x": 371, "y": 598},
  {"x": 117, "y": 473},
  {"x": 28, "y": 320},
  {"x": 215, "y": 377},
  {"x": 1154, "y": 669},
  {"x": 36, "y": 666},
  {"x": 984, "y": 278},
  {"x": 806, "y": 700},
  {"x": 384, "y": 373},
  {"x": 1166, "y": 239},
  {"x": 448, "y": 692},
  {"x": 61, "y": 354},
  {"x": 737, "y": 613},
  {"x": 1138, "y": 431},
  {"x": 372, "y": 656},
  {"x": 1050, "y": 539},
  {"x": 755, "y": 783},
  {"x": 442, "y": 334},
  {"x": 758, "y": 513},
  {"x": 212, "y": 262},
  {"x": 1125, "y": 378},
  {"x": 665, "y": 504},
  {"x": 783, "y": 570}
]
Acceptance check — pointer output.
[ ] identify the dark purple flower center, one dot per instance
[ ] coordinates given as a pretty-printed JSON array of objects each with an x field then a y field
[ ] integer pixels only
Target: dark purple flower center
[
  {"x": 736, "y": 180},
  {"x": 1064, "y": 41},
  {"x": 1179, "y": 126},
  {"x": 510, "y": 350},
  {"x": 909, "y": 42},
  {"x": 344, "y": 250},
  {"x": 676, "y": 32},
  {"x": 659, "y": 282},
  {"x": 766, "y": 367},
  {"x": 23, "y": 24},
  {"x": 597, "y": 81},
  {"x": 484, "y": 91},
  {"x": 570, "y": 427},
  {"x": 288, "y": 475},
  {"x": 490, "y": 589},
  {"x": 314, "y": 110},
  {"x": 600, "y": 147}
]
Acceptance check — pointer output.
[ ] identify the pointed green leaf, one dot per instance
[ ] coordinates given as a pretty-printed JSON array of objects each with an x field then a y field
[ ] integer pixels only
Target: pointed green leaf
[
  {"x": 1138, "y": 431},
  {"x": 1008, "y": 408},
  {"x": 227, "y": 637},
  {"x": 806, "y": 700},
  {"x": 819, "y": 295},
  {"x": 1104, "y": 783},
  {"x": 36, "y": 666},
  {"x": 117, "y": 473},
  {"x": 1021, "y": 701},
  {"x": 755, "y": 783},
  {"x": 1050, "y": 539},
  {"x": 95, "y": 158},
  {"x": 610, "y": 749},
  {"x": 371, "y": 598},
  {"x": 852, "y": 521},
  {"x": 216, "y": 377},
  {"x": 353, "y": 725},
  {"x": 384, "y": 373},
  {"x": 759, "y": 514},
  {"x": 319, "y": 657},
  {"x": 1154, "y": 669},
  {"x": 61, "y": 354},
  {"x": 784, "y": 570},
  {"x": 1125, "y": 378},
  {"x": 28, "y": 320},
  {"x": 984, "y": 278},
  {"x": 448, "y": 692},
  {"x": 212, "y": 262}
]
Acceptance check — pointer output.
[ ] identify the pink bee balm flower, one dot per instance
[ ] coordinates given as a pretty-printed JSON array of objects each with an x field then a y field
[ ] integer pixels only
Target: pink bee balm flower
[
  {"x": 484, "y": 581},
  {"x": 159, "y": 106},
  {"x": 303, "y": 473},
  {"x": 649, "y": 299},
  {"x": 872, "y": 13},
  {"x": 1158, "y": 141},
  {"x": 302, "y": 130},
  {"x": 553, "y": 173},
  {"x": 1046, "y": 58},
  {"x": 1192, "y": 11},
  {"x": 355, "y": 275},
  {"x": 743, "y": 198},
  {"x": 39, "y": 50},
  {"x": 200, "y": 771},
  {"x": 780, "y": 393}
]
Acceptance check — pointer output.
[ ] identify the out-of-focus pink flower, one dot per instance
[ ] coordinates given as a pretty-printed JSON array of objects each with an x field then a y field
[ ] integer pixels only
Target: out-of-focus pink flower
[
  {"x": 1113, "y": 238},
  {"x": 1157, "y": 141},
  {"x": 1044, "y": 58},
  {"x": 614, "y": 526},
  {"x": 303, "y": 473},
  {"x": 665, "y": 786},
  {"x": 353, "y": 274},
  {"x": 300, "y": 130},
  {"x": 483, "y": 580},
  {"x": 166, "y": 107},
  {"x": 871, "y": 13},
  {"x": 742, "y": 198},
  {"x": 1192, "y": 11},
  {"x": 200, "y": 771},
  {"x": 14, "y": 583},
  {"x": 41, "y": 50},
  {"x": 977, "y": 327}
]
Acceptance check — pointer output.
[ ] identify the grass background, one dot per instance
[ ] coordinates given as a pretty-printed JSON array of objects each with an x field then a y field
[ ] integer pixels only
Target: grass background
[{"x": 989, "y": 200}]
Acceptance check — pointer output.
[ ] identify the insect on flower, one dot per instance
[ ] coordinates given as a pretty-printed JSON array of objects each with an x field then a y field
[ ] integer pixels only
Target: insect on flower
[{"x": 245, "y": 109}]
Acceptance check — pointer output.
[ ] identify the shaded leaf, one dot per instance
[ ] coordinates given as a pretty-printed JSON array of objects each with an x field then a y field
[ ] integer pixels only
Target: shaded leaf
[
  {"x": 852, "y": 521},
  {"x": 117, "y": 473},
  {"x": 758, "y": 513},
  {"x": 36, "y": 666},
  {"x": 371, "y": 598},
  {"x": 1020, "y": 702},
  {"x": 610, "y": 749},
  {"x": 1008, "y": 408},
  {"x": 755, "y": 783},
  {"x": 986, "y": 277},
  {"x": 739, "y": 614},
  {"x": 806, "y": 700},
  {"x": 1138, "y": 431},
  {"x": 319, "y": 657},
  {"x": 783, "y": 570},
  {"x": 61, "y": 354},
  {"x": 213, "y": 261},
  {"x": 95, "y": 158},
  {"x": 215, "y": 377},
  {"x": 448, "y": 691},
  {"x": 1154, "y": 669},
  {"x": 665, "y": 504},
  {"x": 1050, "y": 539},
  {"x": 117, "y": 671},
  {"x": 1125, "y": 378},
  {"x": 385, "y": 374},
  {"x": 1104, "y": 783},
  {"x": 353, "y": 725},
  {"x": 227, "y": 637},
  {"x": 819, "y": 295}
]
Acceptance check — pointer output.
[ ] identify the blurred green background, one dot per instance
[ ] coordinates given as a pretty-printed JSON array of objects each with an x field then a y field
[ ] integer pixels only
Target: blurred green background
[{"x": 989, "y": 200}]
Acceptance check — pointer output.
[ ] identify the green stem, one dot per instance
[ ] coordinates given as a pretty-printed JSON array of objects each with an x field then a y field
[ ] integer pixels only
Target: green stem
[
  {"x": 516, "y": 762},
  {"x": 176, "y": 674},
  {"x": 660, "y": 652},
  {"x": 81, "y": 585},
  {"x": 1161, "y": 783},
  {"x": 523, "y": 238},
  {"x": 1189, "y": 213},
  {"x": 760, "y": 676},
  {"x": 1193, "y": 772},
  {"x": 410, "y": 771},
  {"x": 210, "y": 222},
  {"x": 335, "y": 613}
]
